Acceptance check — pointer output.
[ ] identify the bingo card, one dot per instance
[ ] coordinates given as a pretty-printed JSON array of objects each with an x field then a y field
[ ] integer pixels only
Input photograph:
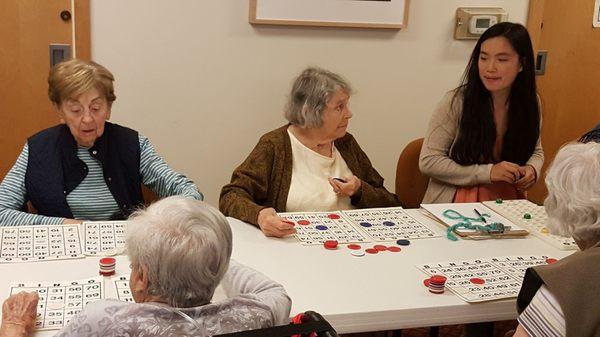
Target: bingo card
[
  {"x": 389, "y": 224},
  {"x": 121, "y": 284},
  {"x": 39, "y": 243},
  {"x": 314, "y": 228},
  {"x": 104, "y": 237},
  {"x": 59, "y": 301},
  {"x": 535, "y": 222},
  {"x": 485, "y": 279}
]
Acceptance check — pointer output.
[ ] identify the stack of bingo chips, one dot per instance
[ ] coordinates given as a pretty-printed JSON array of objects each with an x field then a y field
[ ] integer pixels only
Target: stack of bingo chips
[
  {"x": 437, "y": 283},
  {"x": 107, "y": 266}
]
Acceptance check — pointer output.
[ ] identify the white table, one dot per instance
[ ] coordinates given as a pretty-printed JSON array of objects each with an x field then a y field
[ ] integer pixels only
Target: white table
[
  {"x": 356, "y": 294},
  {"x": 377, "y": 292}
]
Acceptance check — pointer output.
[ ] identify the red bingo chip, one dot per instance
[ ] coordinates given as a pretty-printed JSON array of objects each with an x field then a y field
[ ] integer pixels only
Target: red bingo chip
[
  {"x": 333, "y": 216},
  {"x": 303, "y": 222},
  {"x": 550, "y": 260},
  {"x": 354, "y": 246},
  {"x": 394, "y": 249},
  {"x": 371, "y": 251},
  {"x": 330, "y": 244},
  {"x": 477, "y": 280},
  {"x": 380, "y": 248},
  {"x": 426, "y": 282},
  {"x": 439, "y": 279}
]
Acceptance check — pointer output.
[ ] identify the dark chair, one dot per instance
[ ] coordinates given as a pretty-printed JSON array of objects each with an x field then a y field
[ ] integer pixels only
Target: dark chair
[{"x": 311, "y": 322}]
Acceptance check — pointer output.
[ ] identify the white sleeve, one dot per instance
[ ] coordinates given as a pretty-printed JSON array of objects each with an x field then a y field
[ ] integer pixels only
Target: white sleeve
[{"x": 240, "y": 280}]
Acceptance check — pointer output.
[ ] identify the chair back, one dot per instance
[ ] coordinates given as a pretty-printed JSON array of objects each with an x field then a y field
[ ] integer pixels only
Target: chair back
[{"x": 410, "y": 182}]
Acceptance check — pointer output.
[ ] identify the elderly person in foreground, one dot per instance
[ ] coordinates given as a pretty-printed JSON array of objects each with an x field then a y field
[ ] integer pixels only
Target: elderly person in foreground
[
  {"x": 310, "y": 164},
  {"x": 180, "y": 250},
  {"x": 85, "y": 168},
  {"x": 562, "y": 299}
]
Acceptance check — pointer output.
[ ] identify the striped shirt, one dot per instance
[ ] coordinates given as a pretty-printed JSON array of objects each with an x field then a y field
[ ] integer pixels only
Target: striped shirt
[
  {"x": 543, "y": 316},
  {"x": 91, "y": 199}
]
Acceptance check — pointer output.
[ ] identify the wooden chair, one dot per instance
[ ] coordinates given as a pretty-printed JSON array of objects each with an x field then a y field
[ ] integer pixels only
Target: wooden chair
[{"x": 410, "y": 182}]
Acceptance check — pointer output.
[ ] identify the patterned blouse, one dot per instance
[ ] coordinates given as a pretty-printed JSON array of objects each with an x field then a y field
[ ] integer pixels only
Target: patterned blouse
[{"x": 253, "y": 302}]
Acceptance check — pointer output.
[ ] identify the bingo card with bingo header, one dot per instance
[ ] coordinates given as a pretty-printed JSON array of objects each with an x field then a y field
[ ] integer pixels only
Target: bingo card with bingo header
[
  {"x": 485, "y": 279},
  {"x": 313, "y": 228},
  {"x": 59, "y": 301},
  {"x": 389, "y": 224},
  {"x": 39, "y": 243},
  {"x": 533, "y": 218},
  {"x": 104, "y": 237}
]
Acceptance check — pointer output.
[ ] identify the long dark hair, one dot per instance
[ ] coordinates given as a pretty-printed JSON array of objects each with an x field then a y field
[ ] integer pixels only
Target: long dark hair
[{"x": 477, "y": 131}]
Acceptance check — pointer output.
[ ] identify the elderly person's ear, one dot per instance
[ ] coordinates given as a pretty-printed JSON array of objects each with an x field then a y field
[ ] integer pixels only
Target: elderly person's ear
[{"x": 138, "y": 282}]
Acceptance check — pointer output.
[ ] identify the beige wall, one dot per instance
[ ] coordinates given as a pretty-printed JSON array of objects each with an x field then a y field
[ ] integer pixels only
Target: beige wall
[{"x": 203, "y": 84}]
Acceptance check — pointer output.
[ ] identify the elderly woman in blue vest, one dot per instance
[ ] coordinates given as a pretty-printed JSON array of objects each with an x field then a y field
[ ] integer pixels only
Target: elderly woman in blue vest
[{"x": 84, "y": 168}]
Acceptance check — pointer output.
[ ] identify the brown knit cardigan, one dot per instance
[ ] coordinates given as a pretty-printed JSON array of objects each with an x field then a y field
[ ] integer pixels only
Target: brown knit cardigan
[{"x": 263, "y": 179}]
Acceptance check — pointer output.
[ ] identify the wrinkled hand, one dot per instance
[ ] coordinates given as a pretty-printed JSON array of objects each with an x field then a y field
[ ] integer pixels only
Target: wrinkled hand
[
  {"x": 346, "y": 188},
  {"x": 72, "y": 222},
  {"x": 19, "y": 313},
  {"x": 273, "y": 225},
  {"x": 505, "y": 171},
  {"x": 527, "y": 178}
]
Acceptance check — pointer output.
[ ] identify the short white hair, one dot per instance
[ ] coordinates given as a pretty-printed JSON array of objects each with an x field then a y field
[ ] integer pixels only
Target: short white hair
[
  {"x": 185, "y": 245},
  {"x": 573, "y": 202}
]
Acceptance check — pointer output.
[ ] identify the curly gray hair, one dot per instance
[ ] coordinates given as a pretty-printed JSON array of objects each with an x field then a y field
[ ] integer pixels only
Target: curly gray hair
[
  {"x": 310, "y": 93},
  {"x": 573, "y": 202},
  {"x": 185, "y": 245}
]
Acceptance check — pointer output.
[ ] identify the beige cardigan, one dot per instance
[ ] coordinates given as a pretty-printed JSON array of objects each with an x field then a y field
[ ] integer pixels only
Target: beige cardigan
[{"x": 445, "y": 174}]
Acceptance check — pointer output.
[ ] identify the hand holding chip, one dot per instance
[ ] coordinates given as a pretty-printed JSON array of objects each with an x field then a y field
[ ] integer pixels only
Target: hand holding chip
[
  {"x": 272, "y": 224},
  {"x": 345, "y": 187}
]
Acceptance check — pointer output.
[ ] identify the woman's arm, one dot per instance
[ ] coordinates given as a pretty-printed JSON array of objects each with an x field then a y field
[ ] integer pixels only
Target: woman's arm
[
  {"x": 13, "y": 197},
  {"x": 435, "y": 160},
  {"x": 160, "y": 178},
  {"x": 243, "y": 280},
  {"x": 246, "y": 195}
]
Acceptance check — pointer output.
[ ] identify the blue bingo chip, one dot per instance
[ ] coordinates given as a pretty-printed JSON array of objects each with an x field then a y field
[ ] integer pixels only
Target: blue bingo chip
[
  {"x": 388, "y": 223},
  {"x": 321, "y": 227},
  {"x": 365, "y": 224},
  {"x": 403, "y": 242}
]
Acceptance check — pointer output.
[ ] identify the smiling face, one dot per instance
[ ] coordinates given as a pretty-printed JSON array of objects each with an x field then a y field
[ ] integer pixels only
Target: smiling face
[
  {"x": 335, "y": 116},
  {"x": 85, "y": 116},
  {"x": 499, "y": 65}
]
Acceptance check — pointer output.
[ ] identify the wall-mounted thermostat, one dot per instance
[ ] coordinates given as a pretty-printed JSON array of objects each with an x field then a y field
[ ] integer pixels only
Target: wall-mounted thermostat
[{"x": 471, "y": 22}]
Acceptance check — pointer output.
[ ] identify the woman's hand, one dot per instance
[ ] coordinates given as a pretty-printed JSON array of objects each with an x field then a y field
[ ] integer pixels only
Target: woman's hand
[
  {"x": 273, "y": 225},
  {"x": 527, "y": 179},
  {"x": 505, "y": 171},
  {"x": 19, "y": 313},
  {"x": 345, "y": 187}
]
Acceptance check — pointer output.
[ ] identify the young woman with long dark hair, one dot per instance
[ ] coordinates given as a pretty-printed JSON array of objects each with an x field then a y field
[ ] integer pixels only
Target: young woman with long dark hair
[{"x": 483, "y": 140}]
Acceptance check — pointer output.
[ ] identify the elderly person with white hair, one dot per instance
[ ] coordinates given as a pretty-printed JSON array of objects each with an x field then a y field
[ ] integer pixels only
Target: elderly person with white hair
[
  {"x": 310, "y": 164},
  {"x": 562, "y": 299},
  {"x": 180, "y": 250}
]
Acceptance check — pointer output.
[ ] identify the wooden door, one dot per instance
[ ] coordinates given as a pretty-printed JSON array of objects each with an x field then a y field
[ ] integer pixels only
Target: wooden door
[
  {"x": 27, "y": 28},
  {"x": 570, "y": 88}
]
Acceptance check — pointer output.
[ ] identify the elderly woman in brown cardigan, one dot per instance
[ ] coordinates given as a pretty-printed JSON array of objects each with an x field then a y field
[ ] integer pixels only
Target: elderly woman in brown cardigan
[
  {"x": 562, "y": 299},
  {"x": 310, "y": 164}
]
